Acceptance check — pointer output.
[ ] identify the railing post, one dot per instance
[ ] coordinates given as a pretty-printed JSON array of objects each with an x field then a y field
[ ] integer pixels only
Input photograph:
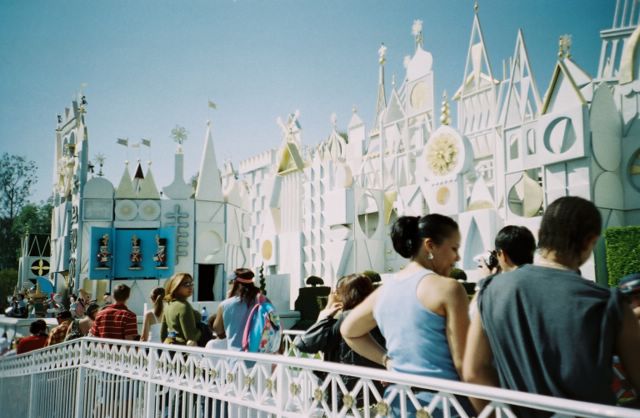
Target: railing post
[
  {"x": 281, "y": 389},
  {"x": 150, "y": 401},
  {"x": 32, "y": 381},
  {"x": 80, "y": 378}
]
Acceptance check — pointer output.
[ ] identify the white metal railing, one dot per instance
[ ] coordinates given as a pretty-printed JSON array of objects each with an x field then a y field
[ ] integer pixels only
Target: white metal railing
[{"x": 101, "y": 378}]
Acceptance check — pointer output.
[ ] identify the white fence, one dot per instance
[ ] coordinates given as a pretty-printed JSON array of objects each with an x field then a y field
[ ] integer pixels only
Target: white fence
[{"x": 117, "y": 379}]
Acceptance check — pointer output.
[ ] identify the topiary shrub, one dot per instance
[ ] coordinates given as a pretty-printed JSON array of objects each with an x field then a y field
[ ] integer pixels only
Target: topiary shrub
[{"x": 622, "y": 246}]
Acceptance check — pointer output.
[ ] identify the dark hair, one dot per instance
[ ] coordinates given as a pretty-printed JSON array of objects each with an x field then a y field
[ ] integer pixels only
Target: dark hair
[
  {"x": 517, "y": 242},
  {"x": 373, "y": 276},
  {"x": 353, "y": 289},
  {"x": 121, "y": 292},
  {"x": 92, "y": 309},
  {"x": 63, "y": 315},
  {"x": 157, "y": 296},
  {"x": 567, "y": 224},
  {"x": 409, "y": 231},
  {"x": 38, "y": 327},
  {"x": 247, "y": 292}
]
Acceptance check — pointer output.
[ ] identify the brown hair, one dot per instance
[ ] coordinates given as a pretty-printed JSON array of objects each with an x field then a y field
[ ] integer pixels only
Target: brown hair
[
  {"x": 567, "y": 225},
  {"x": 157, "y": 294},
  {"x": 211, "y": 320},
  {"x": 173, "y": 284},
  {"x": 246, "y": 291},
  {"x": 353, "y": 289},
  {"x": 121, "y": 293}
]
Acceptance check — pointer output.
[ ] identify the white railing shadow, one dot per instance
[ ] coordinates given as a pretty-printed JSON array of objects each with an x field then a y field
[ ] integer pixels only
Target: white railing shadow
[{"x": 119, "y": 379}]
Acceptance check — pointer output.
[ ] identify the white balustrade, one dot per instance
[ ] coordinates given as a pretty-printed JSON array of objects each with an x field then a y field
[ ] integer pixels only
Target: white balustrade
[{"x": 101, "y": 378}]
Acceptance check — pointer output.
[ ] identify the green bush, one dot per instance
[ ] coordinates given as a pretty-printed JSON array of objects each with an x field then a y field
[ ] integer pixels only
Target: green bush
[
  {"x": 622, "y": 245},
  {"x": 8, "y": 280}
]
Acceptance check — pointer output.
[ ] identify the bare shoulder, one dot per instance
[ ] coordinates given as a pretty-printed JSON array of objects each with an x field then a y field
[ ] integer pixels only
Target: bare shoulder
[{"x": 445, "y": 284}]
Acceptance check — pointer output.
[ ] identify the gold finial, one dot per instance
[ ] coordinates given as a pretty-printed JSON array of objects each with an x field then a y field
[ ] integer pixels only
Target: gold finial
[
  {"x": 382, "y": 54},
  {"x": 564, "y": 46},
  {"x": 444, "y": 110},
  {"x": 416, "y": 30}
]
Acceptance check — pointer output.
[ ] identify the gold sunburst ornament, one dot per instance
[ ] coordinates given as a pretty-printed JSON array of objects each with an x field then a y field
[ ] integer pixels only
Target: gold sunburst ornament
[{"x": 442, "y": 154}]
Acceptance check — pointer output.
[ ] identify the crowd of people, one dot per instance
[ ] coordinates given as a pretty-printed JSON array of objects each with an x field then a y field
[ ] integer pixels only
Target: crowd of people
[{"x": 533, "y": 325}]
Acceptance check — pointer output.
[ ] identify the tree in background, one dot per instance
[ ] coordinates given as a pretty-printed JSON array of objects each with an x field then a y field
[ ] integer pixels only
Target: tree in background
[
  {"x": 8, "y": 281},
  {"x": 34, "y": 219},
  {"x": 17, "y": 176}
]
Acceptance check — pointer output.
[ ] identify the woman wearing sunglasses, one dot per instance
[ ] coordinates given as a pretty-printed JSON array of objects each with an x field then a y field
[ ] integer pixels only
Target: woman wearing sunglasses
[{"x": 180, "y": 321}]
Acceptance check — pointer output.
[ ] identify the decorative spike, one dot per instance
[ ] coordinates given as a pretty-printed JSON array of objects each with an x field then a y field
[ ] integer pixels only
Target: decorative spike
[
  {"x": 416, "y": 30},
  {"x": 444, "y": 114},
  {"x": 564, "y": 46},
  {"x": 382, "y": 54}
]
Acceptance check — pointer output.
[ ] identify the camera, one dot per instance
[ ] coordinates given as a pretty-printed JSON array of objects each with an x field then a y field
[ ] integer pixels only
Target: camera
[{"x": 488, "y": 258}]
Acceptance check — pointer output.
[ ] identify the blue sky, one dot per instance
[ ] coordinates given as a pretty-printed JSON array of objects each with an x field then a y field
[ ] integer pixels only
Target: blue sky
[{"x": 150, "y": 65}]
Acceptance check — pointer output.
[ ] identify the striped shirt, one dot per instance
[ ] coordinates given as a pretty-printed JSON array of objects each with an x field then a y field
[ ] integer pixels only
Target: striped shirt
[
  {"x": 59, "y": 333},
  {"x": 115, "y": 321}
]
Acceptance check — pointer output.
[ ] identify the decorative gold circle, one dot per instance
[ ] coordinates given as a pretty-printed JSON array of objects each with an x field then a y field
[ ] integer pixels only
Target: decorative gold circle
[
  {"x": 442, "y": 153},
  {"x": 318, "y": 395},
  {"x": 423, "y": 413},
  {"x": 294, "y": 388},
  {"x": 348, "y": 401},
  {"x": 382, "y": 408},
  {"x": 267, "y": 250},
  {"x": 442, "y": 195}
]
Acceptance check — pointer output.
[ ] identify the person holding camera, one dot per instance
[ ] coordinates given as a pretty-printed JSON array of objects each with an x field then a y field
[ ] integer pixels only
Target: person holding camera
[{"x": 514, "y": 247}]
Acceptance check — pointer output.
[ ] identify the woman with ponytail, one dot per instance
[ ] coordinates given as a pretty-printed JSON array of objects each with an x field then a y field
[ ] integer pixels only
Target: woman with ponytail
[
  {"x": 233, "y": 312},
  {"x": 421, "y": 312},
  {"x": 153, "y": 318}
]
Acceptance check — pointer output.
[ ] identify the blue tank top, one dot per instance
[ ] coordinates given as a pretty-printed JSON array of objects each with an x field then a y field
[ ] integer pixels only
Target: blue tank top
[
  {"x": 234, "y": 315},
  {"x": 416, "y": 337}
]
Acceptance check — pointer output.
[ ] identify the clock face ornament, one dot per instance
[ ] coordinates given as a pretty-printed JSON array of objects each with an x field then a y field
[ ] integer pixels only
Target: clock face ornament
[{"x": 442, "y": 154}]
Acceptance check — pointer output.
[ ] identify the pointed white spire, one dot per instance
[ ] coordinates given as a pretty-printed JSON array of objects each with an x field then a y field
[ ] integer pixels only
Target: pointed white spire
[
  {"x": 522, "y": 101},
  {"x": 355, "y": 119},
  {"x": 148, "y": 189},
  {"x": 381, "y": 102},
  {"x": 125, "y": 188},
  {"x": 477, "y": 68},
  {"x": 209, "y": 183}
]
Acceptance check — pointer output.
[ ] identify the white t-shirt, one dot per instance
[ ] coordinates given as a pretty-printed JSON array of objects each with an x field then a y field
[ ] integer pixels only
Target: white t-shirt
[{"x": 217, "y": 343}]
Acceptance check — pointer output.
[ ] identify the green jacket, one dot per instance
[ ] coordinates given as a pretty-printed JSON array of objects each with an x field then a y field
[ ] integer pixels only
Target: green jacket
[{"x": 183, "y": 319}]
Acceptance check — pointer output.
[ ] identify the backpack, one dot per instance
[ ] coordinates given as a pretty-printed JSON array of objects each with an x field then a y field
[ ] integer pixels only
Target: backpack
[{"x": 262, "y": 332}]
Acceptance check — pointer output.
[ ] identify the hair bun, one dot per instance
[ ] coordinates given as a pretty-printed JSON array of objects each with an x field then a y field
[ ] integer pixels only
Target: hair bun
[{"x": 404, "y": 235}]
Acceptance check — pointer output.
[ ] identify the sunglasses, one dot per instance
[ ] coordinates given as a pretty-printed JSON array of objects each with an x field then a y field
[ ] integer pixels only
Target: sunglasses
[{"x": 186, "y": 284}]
